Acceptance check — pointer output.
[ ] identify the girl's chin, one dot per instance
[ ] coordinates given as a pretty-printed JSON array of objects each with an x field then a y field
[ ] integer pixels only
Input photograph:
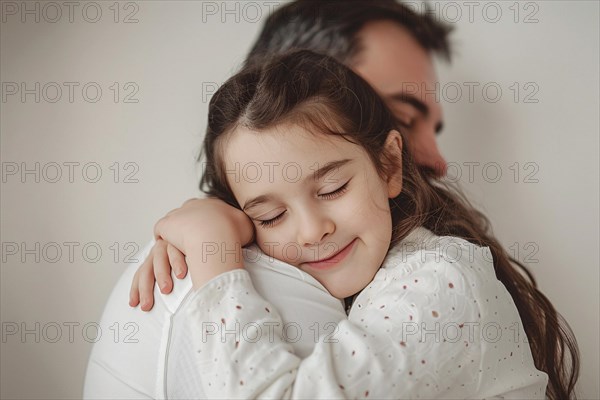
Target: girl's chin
[{"x": 342, "y": 294}]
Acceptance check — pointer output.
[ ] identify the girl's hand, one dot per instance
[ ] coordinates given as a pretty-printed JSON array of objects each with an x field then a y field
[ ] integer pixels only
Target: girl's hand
[
  {"x": 210, "y": 233},
  {"x": 164, "y": 255},
  {"x": 157, "y": 267}
]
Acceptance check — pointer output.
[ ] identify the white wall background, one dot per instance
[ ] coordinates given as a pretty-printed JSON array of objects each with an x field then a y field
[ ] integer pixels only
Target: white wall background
[{"x": 548, "y": 212}]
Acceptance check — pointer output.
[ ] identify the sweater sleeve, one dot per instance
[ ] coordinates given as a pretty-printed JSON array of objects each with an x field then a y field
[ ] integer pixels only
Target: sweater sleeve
[{"x": 408, "y": 335}]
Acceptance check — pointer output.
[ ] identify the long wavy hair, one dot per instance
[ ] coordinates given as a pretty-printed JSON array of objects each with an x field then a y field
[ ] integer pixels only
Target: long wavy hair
[{"x": 317, "y": 91}]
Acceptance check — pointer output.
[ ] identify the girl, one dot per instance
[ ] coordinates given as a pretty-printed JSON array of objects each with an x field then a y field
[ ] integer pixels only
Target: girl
[{"x": 304, "y": 159}]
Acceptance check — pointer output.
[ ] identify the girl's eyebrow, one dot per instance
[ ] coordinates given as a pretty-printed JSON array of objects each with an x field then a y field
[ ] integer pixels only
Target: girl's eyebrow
[
  {"x": 316, "y": 175},
  {"x": 325, "y": 169}
]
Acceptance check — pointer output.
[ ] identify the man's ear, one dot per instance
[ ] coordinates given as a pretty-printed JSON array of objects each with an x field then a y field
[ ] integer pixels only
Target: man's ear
[{"x": 393, "y": 149}]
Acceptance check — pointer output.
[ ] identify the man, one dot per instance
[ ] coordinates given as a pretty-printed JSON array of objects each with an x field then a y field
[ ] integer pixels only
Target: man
[
  {"x": 386, "y": 43},
  {"x": 391, "y": 47}
]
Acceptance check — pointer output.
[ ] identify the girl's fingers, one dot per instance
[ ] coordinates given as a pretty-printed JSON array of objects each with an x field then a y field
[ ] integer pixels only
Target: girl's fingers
[
  {"x": 146, "y": 283},
  {"x": 134, "y": 292},
  {"x": 162, "y": 268},
  {"x": 134, "y": 295},
  {"x": 158, "y": 228},
  {"x": 177, "y": 260}
]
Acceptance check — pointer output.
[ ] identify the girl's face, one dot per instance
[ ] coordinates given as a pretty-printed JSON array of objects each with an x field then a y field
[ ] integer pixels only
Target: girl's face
[{"x": 315, "y": 197}]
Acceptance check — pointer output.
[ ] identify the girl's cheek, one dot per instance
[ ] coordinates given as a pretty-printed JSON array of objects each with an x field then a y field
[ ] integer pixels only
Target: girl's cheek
[{"x": 360, "y": 203}]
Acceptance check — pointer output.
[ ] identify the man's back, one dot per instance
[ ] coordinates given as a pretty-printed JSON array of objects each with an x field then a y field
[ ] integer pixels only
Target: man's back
[{"x": 154, "y": 359}]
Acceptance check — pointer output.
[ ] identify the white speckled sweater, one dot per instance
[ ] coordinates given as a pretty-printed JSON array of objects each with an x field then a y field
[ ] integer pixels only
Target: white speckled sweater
[{"x": 434, "y": 323}]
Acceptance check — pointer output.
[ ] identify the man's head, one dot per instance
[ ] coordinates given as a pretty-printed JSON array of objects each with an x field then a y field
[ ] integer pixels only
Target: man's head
[{"x": 386, "y": 43}]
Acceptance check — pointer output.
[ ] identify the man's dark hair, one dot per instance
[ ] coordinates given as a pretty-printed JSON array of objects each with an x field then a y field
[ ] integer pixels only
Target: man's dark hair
[{"x": 330, "y": 27}]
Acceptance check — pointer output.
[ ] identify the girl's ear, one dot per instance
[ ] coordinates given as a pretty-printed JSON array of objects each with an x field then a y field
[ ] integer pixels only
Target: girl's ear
[{"x": 393, "y": 149}]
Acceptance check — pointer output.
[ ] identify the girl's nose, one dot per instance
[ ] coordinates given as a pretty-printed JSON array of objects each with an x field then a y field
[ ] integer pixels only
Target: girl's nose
[{"x": 314, "y": 229}]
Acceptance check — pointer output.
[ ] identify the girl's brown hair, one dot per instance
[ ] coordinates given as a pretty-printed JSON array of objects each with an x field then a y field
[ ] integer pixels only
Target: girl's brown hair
[{"x": 320, "y": 93}]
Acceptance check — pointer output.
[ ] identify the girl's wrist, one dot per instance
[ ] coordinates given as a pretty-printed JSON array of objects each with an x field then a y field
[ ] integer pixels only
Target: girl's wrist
[
  {"x": 211, "y": 252},
  {"x": 201, "y": 276},
  {"x": 230, "y": 225},
  {"x": 212, "y": 258},
  {"x": 238, "y": 226}
]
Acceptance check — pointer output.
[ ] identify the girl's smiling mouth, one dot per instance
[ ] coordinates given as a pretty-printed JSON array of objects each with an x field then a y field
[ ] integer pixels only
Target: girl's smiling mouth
[{"x": 334, "y": 259}]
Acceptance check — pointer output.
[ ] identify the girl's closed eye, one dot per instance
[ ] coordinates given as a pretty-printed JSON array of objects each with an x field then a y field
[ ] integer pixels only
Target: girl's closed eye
[
  {"x": 336, "y": 193},
  {"x": 270, "y": 222},
  {"x": 328, "y": 196}
]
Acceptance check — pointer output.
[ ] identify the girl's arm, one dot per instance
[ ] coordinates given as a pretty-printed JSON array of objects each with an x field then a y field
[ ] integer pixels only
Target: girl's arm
[
  {"x": 382, "y": 352},
  {"x": 209, "y": 233},
  {"x": 204, "y": 222}
]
